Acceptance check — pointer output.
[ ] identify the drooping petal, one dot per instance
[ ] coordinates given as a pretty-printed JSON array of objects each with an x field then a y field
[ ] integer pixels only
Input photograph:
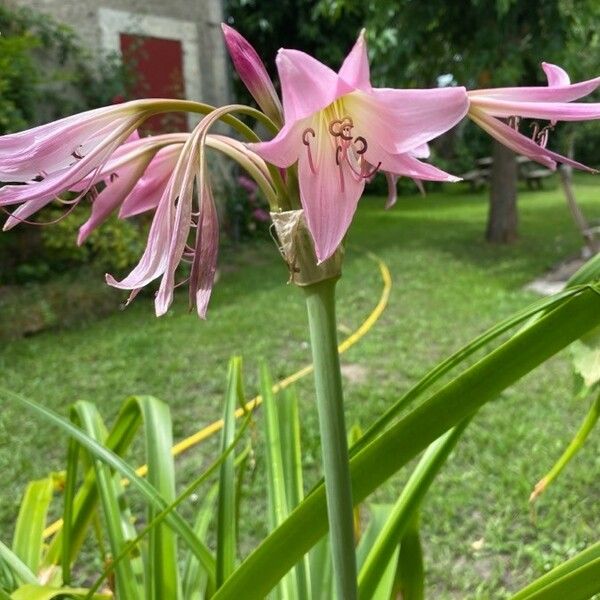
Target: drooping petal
[
  {"x": 557, "y": 77},
  {"x": 392, "y": 181},
  {"x": 329, "y": 196},
  {"x": 405, "y": 164},
  {"x": 118, "y": 186},
  {"x": 355, "y": 68},
  {"x": 253, "y": 73},
  {"x": 307, "y": 85},
  {"x": 179, "y": 235},
  {"x": 283, "y": 150},
  {"x": 149, "y": 189},
  {"x": 542, "y": 93},
  {"x": 403, "y": 120},
  {"x": 154, "y": 260},
  {"x": 49, "y": 148},
  {"x": 204, "y": 267},
  {"x": 35, "y": 196},
  {"x": 521, "y": 144},
  {"x": 422, "y": 151},
  {"x": 551, "y": 111}
]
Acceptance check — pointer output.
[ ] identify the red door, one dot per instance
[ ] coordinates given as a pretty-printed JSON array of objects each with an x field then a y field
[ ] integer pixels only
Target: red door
[{"x": 156, "y": 69}]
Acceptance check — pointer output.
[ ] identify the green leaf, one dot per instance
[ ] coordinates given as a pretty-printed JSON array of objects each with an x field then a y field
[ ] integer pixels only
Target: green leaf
[
  {"x": 576, "y": 444},
  {"x": 226, "y": 535},
  {"x": 321, "y": 570},
  {"x": 289, "y": 424},
  {"x": 410, "y": 575},
  {"x": 404, "y": 510},
  {"x": 380, "y": 515},
  {"x": 588, "y": 273},
  {"x": 586, "y": 358},
  {"x": 276, "y": 481},
  {"x": 84, "y": 503},
  {"x": 28, "y": 539},
  {"x": 540, "y": 307},
  {"x": 16, "y": 566},
  {"x": 576, "y": 579},
  {"x": 108, "y": 457},
  {"x": 116, "y": 516},
  {"x": 43, "y": 592},
  {"x": 162, "y": 579},
  {"x": 571, "y": 318}
]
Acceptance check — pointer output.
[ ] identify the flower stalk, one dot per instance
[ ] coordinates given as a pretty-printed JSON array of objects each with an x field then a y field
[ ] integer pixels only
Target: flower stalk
[{"x": 320, "y": 304}]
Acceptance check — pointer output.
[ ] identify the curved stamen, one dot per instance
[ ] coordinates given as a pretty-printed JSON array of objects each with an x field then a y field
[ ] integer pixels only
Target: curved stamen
[
  {"x": 514, "y": 121},
  {"x": 542, "y": 137},
  {"x": 364, "y": 147},
  {"x": 306, "y": 142},
  {"x": 536, "y": 128}
]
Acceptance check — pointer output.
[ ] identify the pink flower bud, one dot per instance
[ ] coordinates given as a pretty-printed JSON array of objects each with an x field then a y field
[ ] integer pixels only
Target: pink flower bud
[{"x": 253, "y": 73}]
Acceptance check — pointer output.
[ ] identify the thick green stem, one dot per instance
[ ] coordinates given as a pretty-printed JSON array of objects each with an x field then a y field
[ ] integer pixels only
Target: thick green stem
[{"x": 320, "y": 302}]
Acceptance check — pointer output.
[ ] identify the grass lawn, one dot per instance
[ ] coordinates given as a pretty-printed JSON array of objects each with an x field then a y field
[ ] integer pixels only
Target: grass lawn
[{"x": 480, "y": 537}]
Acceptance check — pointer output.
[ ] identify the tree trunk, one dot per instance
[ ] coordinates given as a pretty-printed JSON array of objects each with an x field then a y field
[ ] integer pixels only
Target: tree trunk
[{"x": 502, "y": 227}]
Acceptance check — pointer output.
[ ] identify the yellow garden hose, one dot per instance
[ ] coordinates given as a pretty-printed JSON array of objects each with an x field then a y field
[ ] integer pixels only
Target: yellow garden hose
[{"x": 209, "y": 430}]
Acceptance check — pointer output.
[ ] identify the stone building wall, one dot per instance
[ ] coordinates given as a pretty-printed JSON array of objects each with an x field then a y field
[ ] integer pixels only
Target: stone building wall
[{"x": 196, "y": 23}]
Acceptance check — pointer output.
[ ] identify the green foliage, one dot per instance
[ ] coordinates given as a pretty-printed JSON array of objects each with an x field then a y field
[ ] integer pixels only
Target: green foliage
[{"x": 117, "y": 354}]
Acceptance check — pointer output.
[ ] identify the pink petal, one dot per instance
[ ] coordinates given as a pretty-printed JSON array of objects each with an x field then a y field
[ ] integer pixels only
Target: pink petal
[
  {"x": 328, "y": 206},
  {"x": 521, "y": 144},
  {"x": 47, "y": 148},
  {"x": 154, "y": 260},
  {"x": 557, "y": 77},
  {"x": 307, "y": 85},
  {"x": 355, "y": 69},
  {"x": 422, "y": 151},
  {"x": 180, "y": 232},
  {"x": 35, "y": 196},
  {"x": 118, "y": 186},
  {"x": 551, "y": 111},
  {"x": 283, "y": 150},
  {"x": 554, "y": 93},
  {"x": 403, "y": 120},
  {"x": 405, "y": 164},
  {"x": 253, "y": 73},
  {"x": 149, "y": 189},
  {"x": 204, "y": 266},
  {"x": 392, "y": 181}
]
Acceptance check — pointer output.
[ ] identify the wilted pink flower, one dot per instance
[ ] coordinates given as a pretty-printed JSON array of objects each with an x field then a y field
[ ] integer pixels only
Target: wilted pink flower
[
  {"x": 169, "y": 188},
  {"x": 341, "y": 131},
  {"x": 53, "y": 158},
  {"x": 552, "y": 103},
  {"x": 253, "y": 73}
]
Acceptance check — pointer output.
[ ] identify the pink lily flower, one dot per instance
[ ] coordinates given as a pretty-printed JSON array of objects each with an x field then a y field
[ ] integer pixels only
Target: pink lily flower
[
  {"x": 53, "y": 158},
  {"x": 552, "y": 103},
  {"x": 134, "y": 178},
  {"x": 341, "y": 131},
  {"x": 253, "y": 73},
  {"x": 168, "y": 187}
]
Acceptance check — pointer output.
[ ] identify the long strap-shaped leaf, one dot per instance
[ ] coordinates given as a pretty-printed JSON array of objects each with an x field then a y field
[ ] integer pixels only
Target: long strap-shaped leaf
[
  {"x": 278, "y": 506},
  {"x": 80, "y": 508},
  {"x": 404, "y": 510},
  {"x": 28, "y": 538},
  {"x": 226, "y": 534},
  {"x": 575, "y": 579},
  {"x": 385, "y": 455},
  {"x": 116, "y": 515},
  {"x": 162, "y": 579},
  {"x": 19, "y": 570},
  {"x": 174, "y": 520}
]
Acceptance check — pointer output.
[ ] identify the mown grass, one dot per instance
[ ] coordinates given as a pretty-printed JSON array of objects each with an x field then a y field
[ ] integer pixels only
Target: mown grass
[{"x": 480, "y": 535}]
